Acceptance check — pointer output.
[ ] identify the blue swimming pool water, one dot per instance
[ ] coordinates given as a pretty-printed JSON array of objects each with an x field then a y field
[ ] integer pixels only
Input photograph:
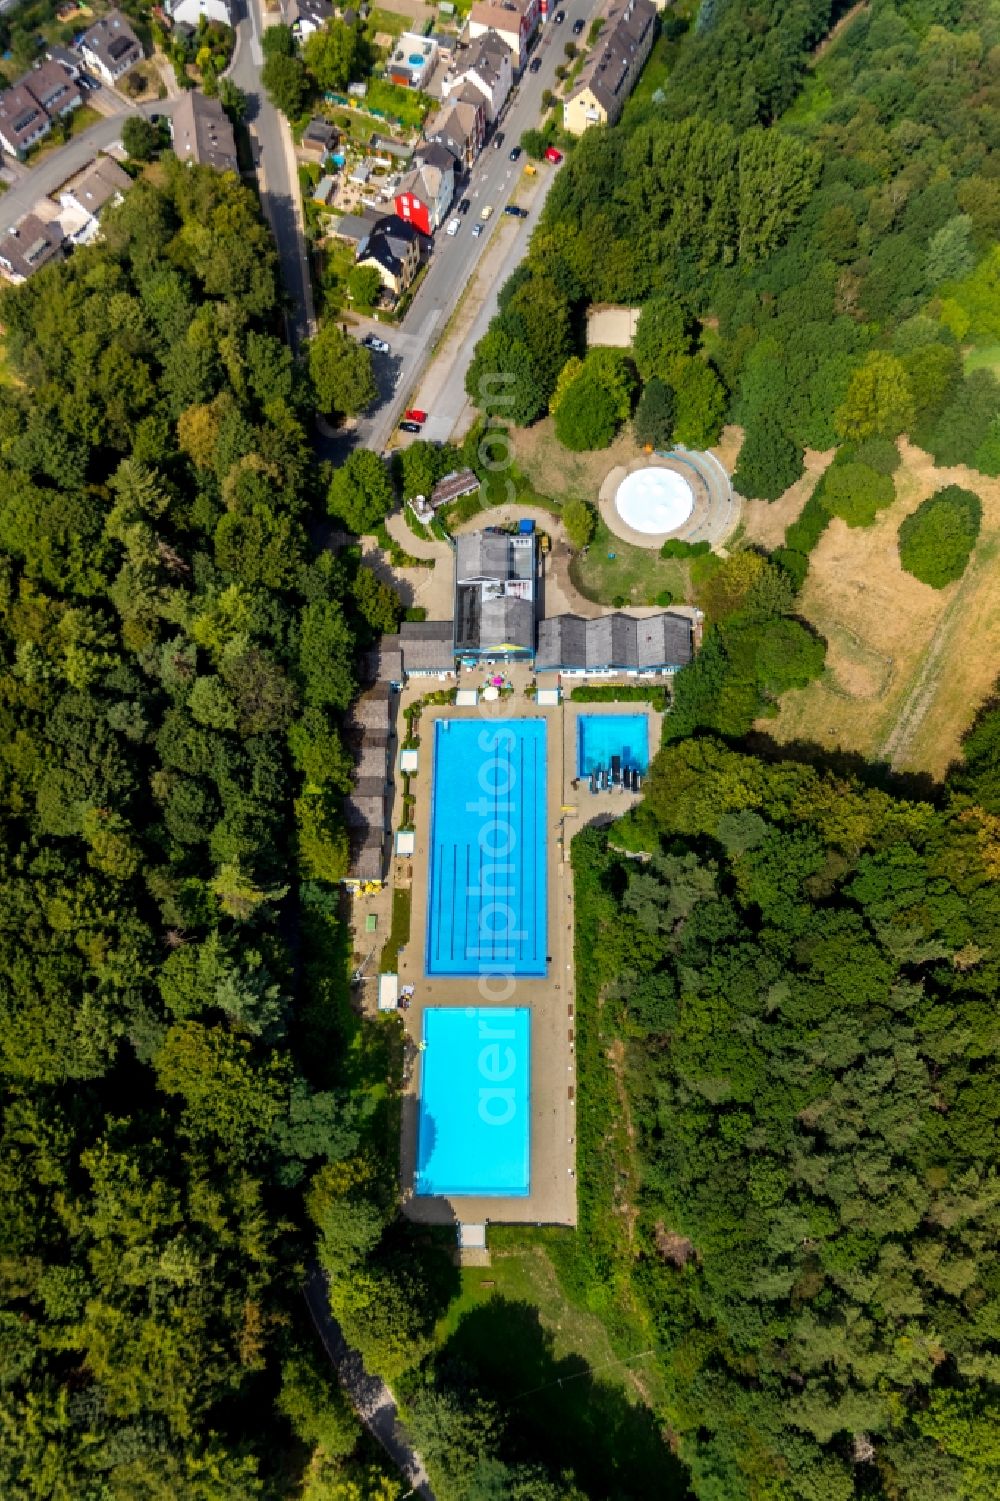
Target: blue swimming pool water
[
  {"x": 473, "y": 1130},
  {"x": 601, "y": 736},
  {"x": 486, "y": 883}
]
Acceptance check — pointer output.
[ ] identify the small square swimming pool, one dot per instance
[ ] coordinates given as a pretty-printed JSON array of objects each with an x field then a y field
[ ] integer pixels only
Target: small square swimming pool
[
  {"x": 601, "y": 736},
  {"x": 473, "y": 1127},
  {"x": 486, "y": 882}
]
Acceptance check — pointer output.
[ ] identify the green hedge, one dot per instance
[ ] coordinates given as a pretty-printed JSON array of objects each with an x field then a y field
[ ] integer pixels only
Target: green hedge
[{"x": 626, "y": 693}]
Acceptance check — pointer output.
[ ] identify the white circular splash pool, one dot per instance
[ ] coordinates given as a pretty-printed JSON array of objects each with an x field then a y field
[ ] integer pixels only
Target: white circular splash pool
[{"x": 654, "y": 500}]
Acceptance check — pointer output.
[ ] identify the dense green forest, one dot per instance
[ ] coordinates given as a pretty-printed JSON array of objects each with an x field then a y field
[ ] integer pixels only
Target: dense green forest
[
  {"x": 800, "y": 972},
  {"x": 818, "y": 240},
  {"x": 181, "y": 1072}
]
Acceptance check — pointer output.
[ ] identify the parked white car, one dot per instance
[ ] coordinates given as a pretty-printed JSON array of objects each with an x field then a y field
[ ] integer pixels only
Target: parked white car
[{"x": 454, "y": 226}]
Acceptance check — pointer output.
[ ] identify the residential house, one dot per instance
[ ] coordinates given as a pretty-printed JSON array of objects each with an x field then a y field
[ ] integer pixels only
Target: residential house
[
  {"x": 462, "y": 128},
  {"x": 516, "y": 21},
  {"x": 189, "y": 12},
  {"x": 201, "y": 133},
  {"x": 426, "y": 648},
  {"x": 110, "y": 47},
  {"x": 29, "y": 246},
  {"x": 425, "y": 195},
  {"x": 393, "y": 249},
  {"x": 610, "y": 72},
  {"x": 66, "y": 58},
  {"x": 452, "y": 487},
  {"x": 412, "y": 60},
  {"x": 29, "y": 108},
  {"x": 306, "y": 16},
  {"x": 353, "y": 227},
  {"x": 488, "y": 65},
  {"x": 319, "y": 138},
  {"x": 23, "y": 121},
  {"x": 614, "y": 644},
  {"x": 495, "y": 595},
  {"x": 84, "y": 196}
]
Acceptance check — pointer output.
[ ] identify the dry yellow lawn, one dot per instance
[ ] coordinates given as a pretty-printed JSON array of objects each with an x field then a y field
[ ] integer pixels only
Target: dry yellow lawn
[
  {"x": 766, "y": 521},
  {"x": 907, "y": 665}
]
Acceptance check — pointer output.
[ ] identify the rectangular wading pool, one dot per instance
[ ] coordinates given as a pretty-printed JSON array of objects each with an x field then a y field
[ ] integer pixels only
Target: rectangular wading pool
[
  {"x": 601, "y": 736},
  {"x": 486, "y": 912},
  {"x": 473, "y": 1132}
]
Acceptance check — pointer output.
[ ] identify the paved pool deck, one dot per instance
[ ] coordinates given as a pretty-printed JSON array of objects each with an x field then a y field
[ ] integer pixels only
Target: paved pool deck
[{"x": 552, "y": 999}]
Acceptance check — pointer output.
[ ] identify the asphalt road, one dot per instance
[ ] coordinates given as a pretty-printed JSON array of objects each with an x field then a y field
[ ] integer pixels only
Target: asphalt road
[
  {"x": 276, "y": 172},
  {"x": 454, "y": 260}
]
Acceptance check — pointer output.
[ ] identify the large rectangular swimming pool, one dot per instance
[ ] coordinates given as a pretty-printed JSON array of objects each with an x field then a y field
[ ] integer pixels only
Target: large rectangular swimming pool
[
  {"x": 473, "y": 1129},
  {"x": 601, "y": 736},
  {"x": 486, "y": 910}
]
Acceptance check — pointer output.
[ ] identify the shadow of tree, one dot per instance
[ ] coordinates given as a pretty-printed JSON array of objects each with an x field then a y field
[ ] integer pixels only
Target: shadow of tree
[{"x": 558, "y": 1413}]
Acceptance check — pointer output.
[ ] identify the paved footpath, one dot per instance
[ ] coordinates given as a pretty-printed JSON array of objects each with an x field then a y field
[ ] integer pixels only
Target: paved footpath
[{"x": 371, "y": 1398}]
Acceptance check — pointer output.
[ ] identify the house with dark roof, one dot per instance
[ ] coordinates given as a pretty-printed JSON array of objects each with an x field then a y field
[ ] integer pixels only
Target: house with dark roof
[
  {"x": 306, "y": 16},
  {"x": 495, "y": 596},
  {"x": 514, "y": 20},
  {"x": 393, "y": 249},
  {"x": 488, "y": 66},
  {"x": 110, "y": 47},
  {"x": 462, "y": 127},
  {"x": 28, "y": 246},
  {"x": 201, "y": 133},
  {"x": 319, "y": 138},
  {"x": 373, "y": 756},
  {"x": 610, "y": 72},
  {"x": 29, "y": 108},
  {"x": 614, "y": 644}
]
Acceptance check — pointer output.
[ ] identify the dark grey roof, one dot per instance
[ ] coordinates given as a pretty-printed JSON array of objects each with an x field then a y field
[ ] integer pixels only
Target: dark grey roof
[
  {"x": 613, "y": 641},
  {"x": 365, "y": 812},
  {"x": 433, "y": 154},
  {"x": 426, "y": 645},
  {"x": 319, "y": 132},
  {"x": 201, "y": 133},
  {"x": 373, "y": 761},
  {"x": 374, "y": 709},
  {"x": 562, "y": 642},
  {"x": 384, "y": 665},
  {"x": 368, "y": 858}
]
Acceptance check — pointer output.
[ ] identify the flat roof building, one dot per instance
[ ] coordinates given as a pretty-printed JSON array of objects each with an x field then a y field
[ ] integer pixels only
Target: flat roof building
[{"x": 495, "y": 595}]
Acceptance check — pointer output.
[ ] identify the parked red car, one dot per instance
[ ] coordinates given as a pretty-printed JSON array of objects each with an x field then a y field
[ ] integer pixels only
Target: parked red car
[
  {"x": 552, "y": 155},
  {"x": 414, "y": 414}
]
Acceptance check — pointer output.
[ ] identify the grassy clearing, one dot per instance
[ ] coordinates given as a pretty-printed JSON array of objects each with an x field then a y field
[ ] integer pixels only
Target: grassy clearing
[
  {"x": 635, "y": 574},
  {"x": 409, "y": 106},
  {"x": 389, "y": 21},
  {"x": 551, "y": 1366},
  {"x": 524, "y": 1271},
  {"x": 985, "y": 358}
]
